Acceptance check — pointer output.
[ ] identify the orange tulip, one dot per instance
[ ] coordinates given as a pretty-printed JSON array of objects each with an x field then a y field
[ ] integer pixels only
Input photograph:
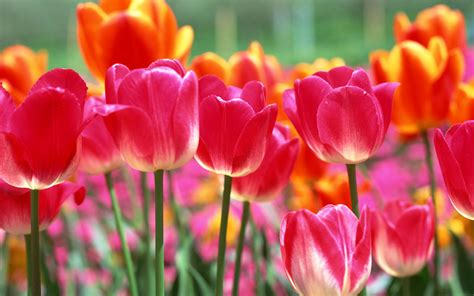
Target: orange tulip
[
  {"x": 439, "y": 21},
  {"x": 242, "y": 67},
  {"x": 429, "y": 77},
  {"x": 20, "y": 67},
  {"x": 131, "y": 32},
  {"x": 462, "y": 107}
]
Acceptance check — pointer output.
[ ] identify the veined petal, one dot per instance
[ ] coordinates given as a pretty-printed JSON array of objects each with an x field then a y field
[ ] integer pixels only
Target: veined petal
[{"x": 114, "y": 76}]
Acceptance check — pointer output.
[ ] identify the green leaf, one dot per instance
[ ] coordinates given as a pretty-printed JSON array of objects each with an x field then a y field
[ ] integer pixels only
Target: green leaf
[{"x": 464, "y": 265}]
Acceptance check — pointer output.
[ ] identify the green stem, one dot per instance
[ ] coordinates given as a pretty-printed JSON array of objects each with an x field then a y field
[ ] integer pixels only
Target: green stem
[
  {"x": 28, "y": 261},
  {"x": 119, "y": 224},
  {"x": 351, "y": 173},
  {"x": 240, "y": 247},
  {"x": 223, "y": 235},
  {"x": 256, "y": 255},
  {"x": 147, "y": 234},
  {"x": 429, "y": 165},
  {"x": 405, "y": 286},
  {"x": 159, "y": 260},
  {"x": 35, "y": 283}
]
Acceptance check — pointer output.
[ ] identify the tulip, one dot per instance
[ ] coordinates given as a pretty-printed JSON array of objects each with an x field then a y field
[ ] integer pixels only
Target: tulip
[
  {"x": 439, "y": 20},
  {"x": 15, "y": 205},
  {"x": 264, "y": 184},
  {"x": 339, "y": 115},
  {"x": 303, "y": 70},
  {"x": 235, "y": 127},
  {"x": 235, "y": 132},
  {"x": 20, "y": 67},
  {"x": 134, "y": 33},
  {"x": 99, "y": 152},
  {"x": 241, "y": 68},
  {"x": 152, "y": 115},
  {"x": 462, "y": 106},
  {"x": 428, "y": 78},
  {"x": 456, "y": 163},
  {"x": 272, "y": 176},
  {"x": 328, "y": 253},
  {"x": 40, "y": 140},
  {"x": 402, "y": 237}
]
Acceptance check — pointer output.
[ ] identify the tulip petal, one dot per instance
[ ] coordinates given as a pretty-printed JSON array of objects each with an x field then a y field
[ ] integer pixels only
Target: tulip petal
[
  {"x": 252, "y": 142},
  {"x": 128, "y": 39},
  {"x": 244, "y": 68},
  {"x": 211, "y": 85},
  {"x": 183, "y": 43},
  {"x": 210, "y": 63},
  {"x": 361, "y": 262},
  {"x": 453, "y": 177},
  {"x": 463, "y": 137},
  {"x": 336, "y": 77},
  {"x": 114, "y": 76},
  {"x": 217, "y": 145},
  {"x": 350, "y": 121},
  {"x": 131, "y": 128},
  {"x": 7, "y": 107},
  {"x": 254, "y": 93},
  {"x": 359, "y": 78},
  {"x": 14, "y": 169},
  {"x": 90, "y": 18},
  {"x": 309, "y": 94},
  {"x": 169, "y": 63},
  {"x": 47, "y": 126},
  {"x": 186, "y": 121},
  {"x": 64, "y": 79}
]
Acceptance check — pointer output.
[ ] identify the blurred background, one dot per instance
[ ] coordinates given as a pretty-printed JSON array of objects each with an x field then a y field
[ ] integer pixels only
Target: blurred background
[{"x": 293, "y": 30}]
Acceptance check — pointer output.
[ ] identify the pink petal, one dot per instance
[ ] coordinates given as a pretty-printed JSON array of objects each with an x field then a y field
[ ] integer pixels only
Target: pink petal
[
  {"x": 336, "y": 77},
  {"x": 309, "y": 94},
  {"x": 384, "y": 93},
  {"x": 453, "y": 177},
  {"x": 47, "y": 126},
  {"x": 210, "y": 85},
  {"x": 155, "y": 92},
  {"x": 360, "y": 79},
  {"x": 362, "y": 258},
  {"x": 220, "y": 125},
  {"x": 113, "y": 78},
  {"x": 169, "y": 63},
  {"x": 64, "y": 79},
  {"x": 130, "y": 128},
  {"x": 351, "y": 122},
  {"x": 14, "y": 169},
  {"x": 253, "y": 140},
  {"x": 254, "y": 93},
  {"x": 186, "y": 121}
]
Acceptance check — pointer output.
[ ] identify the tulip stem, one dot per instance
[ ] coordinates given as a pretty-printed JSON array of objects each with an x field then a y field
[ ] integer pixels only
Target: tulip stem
[
  {"x": 429, "y": 165},
  {"x": 159, "y": 251},
  {"x": 256, "y": 254},
  {"x": 223, "y": 235},
  {"x": 405, "y": 286},
  {"x": 351, "y": 173},
  {"x": 147, "y": 234},
  {"x": 240, "y": 247},
  {"x": 119, "y": 224},
  {"x": 35, "y": 282},
  {"x": 28, "y": 261}
]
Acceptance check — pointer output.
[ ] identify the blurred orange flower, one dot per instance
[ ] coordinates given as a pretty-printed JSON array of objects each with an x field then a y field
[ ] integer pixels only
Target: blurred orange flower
[
  {"x": 429, "y": 77},
  {"x": 20, "y": 67},
  {"x": 462, "y": 107},
  {"x": 131, "y": 32},
  {"x": 439, "y": 21},
  {"x": 242, "y": 67},
  {"x": 303, "y": 70}
]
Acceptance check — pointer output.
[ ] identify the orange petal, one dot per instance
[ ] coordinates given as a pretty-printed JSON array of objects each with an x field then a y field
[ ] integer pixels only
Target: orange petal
[
  {"x": 110, "y": 6},
  {"x": 401, "y": 25},
  {"x": 183, "y": 43},
  {"x": 210, "y": 63}
]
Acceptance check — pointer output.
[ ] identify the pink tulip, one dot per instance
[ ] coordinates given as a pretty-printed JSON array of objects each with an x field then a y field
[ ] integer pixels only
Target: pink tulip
[
  {"x": 40, "y": 139},
  {"x": 235, "y": 127},
  {"x": 339, "y": 115},
  {"x": 456, "y": 160},
  {"x": 402, "y": 237},
  {"x": 152, "y": 114},
  {"x": 15, "y": 205},
  {"x": 272, "y": 175},
  {"x": 327, "y": 253},
  {"x": 99, "y": 152}
]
